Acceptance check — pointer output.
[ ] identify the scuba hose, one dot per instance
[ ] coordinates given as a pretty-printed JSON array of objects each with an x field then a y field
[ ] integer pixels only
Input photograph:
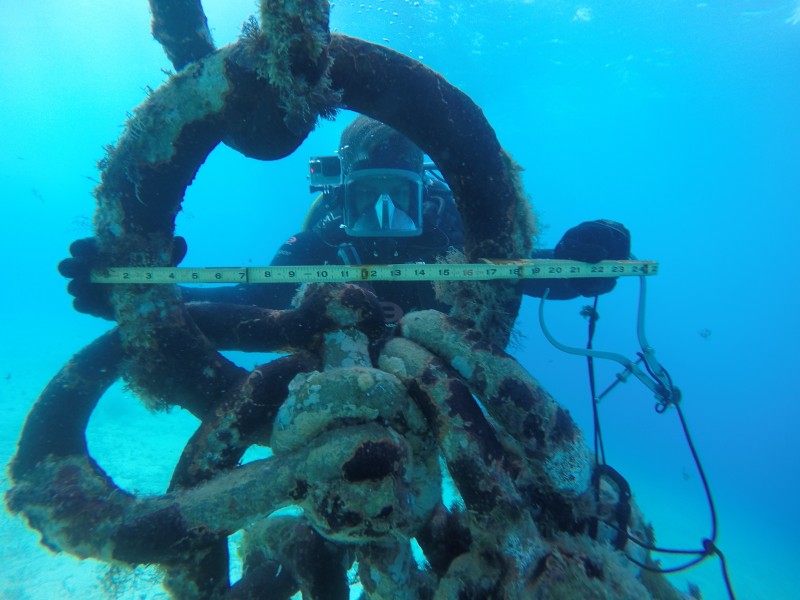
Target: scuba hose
[{"x": 668, "y": 395}]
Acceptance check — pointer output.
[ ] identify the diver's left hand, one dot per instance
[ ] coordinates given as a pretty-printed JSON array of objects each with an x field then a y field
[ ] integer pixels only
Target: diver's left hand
[{"x": 593, "y": 241}]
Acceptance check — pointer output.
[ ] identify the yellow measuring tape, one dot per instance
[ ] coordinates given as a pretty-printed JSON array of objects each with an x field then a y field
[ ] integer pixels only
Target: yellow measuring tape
[{"x": 482, "y": 271}]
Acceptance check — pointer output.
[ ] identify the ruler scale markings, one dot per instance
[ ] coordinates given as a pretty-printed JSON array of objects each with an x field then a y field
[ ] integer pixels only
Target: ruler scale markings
[{"x": 482, "y": 271}]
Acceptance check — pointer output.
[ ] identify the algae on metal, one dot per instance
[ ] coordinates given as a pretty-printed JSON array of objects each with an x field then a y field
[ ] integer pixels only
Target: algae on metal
[{"x": 358, "y": 418}]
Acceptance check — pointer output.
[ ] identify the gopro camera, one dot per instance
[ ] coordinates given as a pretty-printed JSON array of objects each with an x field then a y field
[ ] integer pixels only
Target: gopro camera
[{"x": 324, "y": 172}]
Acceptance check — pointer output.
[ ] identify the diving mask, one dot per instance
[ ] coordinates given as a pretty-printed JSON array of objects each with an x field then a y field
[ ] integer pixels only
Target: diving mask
[{"x": 383, "y": 203}]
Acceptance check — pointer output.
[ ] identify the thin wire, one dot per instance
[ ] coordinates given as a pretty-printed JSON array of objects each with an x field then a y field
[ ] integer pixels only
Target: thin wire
[{"x": 709, "y": 544}]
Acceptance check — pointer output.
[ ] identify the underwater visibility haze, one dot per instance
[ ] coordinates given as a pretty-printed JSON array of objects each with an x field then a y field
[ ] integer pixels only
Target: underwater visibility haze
[{"x": 680, "y": 119}]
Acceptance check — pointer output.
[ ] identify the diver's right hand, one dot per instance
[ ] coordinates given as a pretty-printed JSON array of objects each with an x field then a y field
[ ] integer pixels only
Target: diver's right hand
[{"x": 95, "y": 298}]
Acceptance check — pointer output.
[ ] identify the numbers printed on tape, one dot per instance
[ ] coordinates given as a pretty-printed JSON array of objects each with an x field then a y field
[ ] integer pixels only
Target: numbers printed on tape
[{"x": 520, "y": 269}]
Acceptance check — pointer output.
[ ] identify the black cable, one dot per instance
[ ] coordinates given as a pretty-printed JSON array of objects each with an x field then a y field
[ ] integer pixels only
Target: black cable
[
  {"x": 701, "y": 472},
  {"x": 590, "y": 312},
  {"x": 669, "y": 570},
  {"x": 725, "y": 577},
  {"x": 670, "y": 398}
]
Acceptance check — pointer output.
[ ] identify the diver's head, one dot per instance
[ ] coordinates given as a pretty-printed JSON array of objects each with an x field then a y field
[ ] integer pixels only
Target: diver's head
[{"x": 382, "y": 177}]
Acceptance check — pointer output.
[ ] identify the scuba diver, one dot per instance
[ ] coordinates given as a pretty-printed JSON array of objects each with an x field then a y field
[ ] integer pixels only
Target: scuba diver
[{"x": 380, "y": 204}]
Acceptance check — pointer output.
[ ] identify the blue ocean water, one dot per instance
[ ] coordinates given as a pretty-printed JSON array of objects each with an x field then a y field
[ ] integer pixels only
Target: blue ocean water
[{"x": 679, "y": 119}]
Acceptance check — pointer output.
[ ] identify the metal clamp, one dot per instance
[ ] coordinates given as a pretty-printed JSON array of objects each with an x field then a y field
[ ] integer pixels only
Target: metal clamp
[{"x": 654, "y": 376}]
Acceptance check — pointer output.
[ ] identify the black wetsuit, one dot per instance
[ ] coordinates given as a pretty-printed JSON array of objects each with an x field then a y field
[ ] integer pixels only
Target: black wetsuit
[{"x": 327, "y": 244}]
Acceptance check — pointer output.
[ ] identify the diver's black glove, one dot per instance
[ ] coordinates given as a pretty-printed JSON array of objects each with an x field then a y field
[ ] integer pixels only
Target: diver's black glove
[
  {"x": 95, "y": 298},
  {"x": 593, "y": 241}
]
